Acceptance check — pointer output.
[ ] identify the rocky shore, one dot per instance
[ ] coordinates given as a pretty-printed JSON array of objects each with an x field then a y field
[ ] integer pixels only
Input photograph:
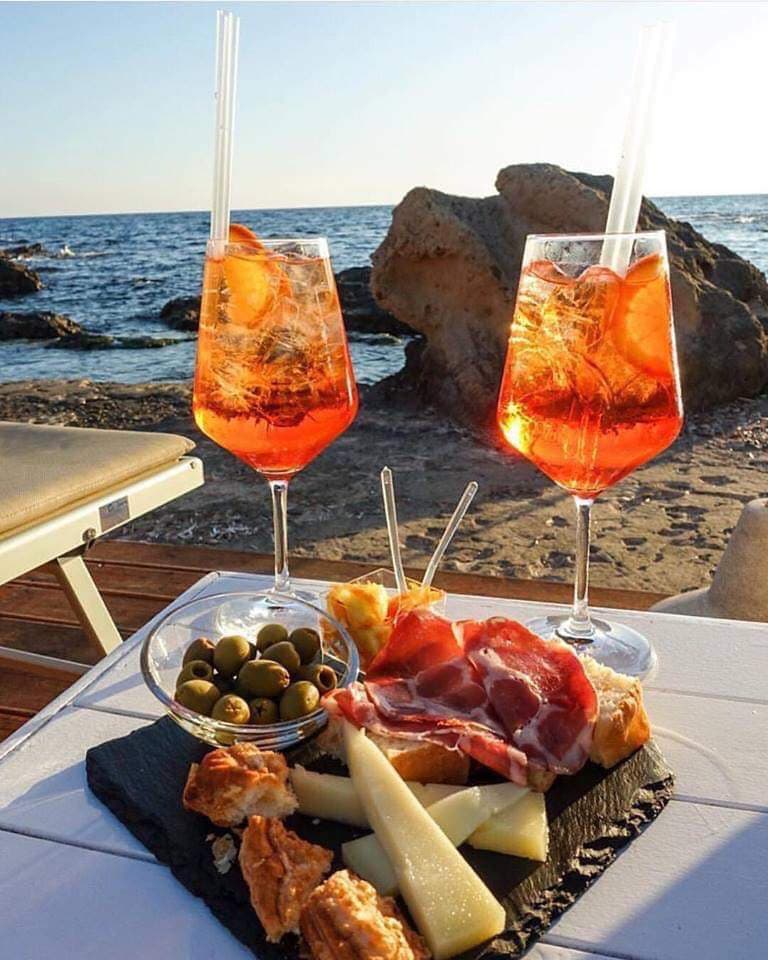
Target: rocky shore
[{"x": 662, "y": 529}]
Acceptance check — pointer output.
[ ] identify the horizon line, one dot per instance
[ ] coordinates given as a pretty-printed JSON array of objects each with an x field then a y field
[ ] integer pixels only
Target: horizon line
[{"x": 319, "y": 206}]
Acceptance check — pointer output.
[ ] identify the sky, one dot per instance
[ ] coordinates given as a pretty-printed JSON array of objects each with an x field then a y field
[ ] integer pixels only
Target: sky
[{"x": 108, "y": 107}]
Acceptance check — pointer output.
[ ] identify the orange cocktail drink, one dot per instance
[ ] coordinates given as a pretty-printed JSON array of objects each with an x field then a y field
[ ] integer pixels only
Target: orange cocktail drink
[
  {"x": 591, "y": 390},
  {"x": 273, "y": 381},
  {"x": 590, "y": 384}
]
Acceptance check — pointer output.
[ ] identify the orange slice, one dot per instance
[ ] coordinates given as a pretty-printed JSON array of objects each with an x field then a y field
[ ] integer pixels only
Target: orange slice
[
  {"x": 238, "y": 233},
  {"x": 252, "y": 279},
  {"x": 642, "y": 325}
]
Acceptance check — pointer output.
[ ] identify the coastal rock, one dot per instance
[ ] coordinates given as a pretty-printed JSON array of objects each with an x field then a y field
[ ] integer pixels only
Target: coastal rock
[
  {"x": 22, "y": 250},
  {"x": 85, "y": 340},
  {"x": 182, "y": 313},
  {"x": 362, "y": 314},
  {"x": 449, "y": 268},
  {"x": 36, "y": 326},
  {"x": 16, "y": 279}
]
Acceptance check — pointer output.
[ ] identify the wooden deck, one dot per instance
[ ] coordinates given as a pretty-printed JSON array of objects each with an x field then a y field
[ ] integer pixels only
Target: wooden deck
[{"x": 139, "y": 579}]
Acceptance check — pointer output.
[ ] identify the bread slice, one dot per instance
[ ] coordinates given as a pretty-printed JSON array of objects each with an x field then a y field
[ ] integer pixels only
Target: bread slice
[
  {"x": 417, "y": 760},
  {"x": 622, "y": 723}
]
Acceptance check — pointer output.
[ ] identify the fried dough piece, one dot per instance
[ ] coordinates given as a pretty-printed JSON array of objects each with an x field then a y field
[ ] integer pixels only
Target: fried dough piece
[
  {"x": 281, "y": 871},
  {"x": 346, "y": 919},
  {"x": 236, "y": 782}
]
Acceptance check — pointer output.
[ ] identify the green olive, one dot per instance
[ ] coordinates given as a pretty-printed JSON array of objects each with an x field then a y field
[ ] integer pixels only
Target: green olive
[
  {"x": 262, "y": 678},
  {"x": 231, "y": 709},
  {"x": 200, "y": 649},
  {"x": 298, "y": 700},
  {"x": 230, "y": 654},
  {"x": 323, "y": 676},
  {"x": 195, "y": 670},
  {"x": 307, "y": 643},
  {"x": 198, "y": 695},
  {"x": 270, "y": 633},
  {"x": 263, "y": 711},
  {"x": 285, "y": 653},
  {"x": 222, "y": 684}
]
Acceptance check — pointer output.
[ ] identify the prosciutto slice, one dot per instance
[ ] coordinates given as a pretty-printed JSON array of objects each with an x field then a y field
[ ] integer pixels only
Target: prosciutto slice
[{"x": 489, "y": 688}]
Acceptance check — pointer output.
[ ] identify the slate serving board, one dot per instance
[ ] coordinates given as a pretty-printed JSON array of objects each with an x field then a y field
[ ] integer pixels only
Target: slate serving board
[{"x": 141, "y": 777}]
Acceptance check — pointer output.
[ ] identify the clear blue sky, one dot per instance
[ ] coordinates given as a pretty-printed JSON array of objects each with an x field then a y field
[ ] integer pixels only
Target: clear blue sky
[{"x": 107, "y": 107}]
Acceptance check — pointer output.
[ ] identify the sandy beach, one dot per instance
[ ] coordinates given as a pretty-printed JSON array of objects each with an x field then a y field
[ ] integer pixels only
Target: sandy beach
[{"x": 662, "y": 529}]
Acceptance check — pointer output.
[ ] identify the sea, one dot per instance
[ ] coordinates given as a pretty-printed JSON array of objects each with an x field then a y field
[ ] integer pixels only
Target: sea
[{"x": 113, "y": 273}]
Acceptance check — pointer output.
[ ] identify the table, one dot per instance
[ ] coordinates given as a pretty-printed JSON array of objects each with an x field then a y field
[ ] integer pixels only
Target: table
[{"x": 75, "y": 883}]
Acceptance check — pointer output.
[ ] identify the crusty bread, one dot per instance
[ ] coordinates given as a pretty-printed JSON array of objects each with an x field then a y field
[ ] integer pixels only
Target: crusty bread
[
  {"x": 417, "y": 760},
  {"x": 622, "y": 723},
  {"x": 235, "y": 782},
  {"x": 281, "y": 871},
  {"x": 346, "y": 919}
]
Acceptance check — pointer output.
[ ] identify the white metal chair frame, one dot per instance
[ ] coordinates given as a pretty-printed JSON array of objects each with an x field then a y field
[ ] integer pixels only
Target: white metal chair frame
[{"x": 66, "y": 536}]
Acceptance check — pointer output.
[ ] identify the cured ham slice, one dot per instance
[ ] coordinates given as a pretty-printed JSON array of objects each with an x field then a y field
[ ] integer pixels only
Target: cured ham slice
[{"x": 491, "y": 689}]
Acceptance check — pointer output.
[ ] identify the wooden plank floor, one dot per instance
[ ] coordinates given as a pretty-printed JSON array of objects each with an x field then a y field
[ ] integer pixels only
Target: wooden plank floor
[{"x": 139, "y": 579}]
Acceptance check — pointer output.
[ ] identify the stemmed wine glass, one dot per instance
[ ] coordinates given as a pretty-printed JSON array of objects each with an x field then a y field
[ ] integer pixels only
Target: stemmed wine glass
[
  {"x": 590, "y": 391},
  {"x": 274, "y": 383}
]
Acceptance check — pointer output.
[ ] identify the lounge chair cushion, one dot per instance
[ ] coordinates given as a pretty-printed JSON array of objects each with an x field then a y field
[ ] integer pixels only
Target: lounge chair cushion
[{"x": 46, "y": 470}]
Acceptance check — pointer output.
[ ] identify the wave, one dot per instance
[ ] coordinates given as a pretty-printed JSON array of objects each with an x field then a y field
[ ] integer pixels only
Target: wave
[{"x": 745, "y": 219}]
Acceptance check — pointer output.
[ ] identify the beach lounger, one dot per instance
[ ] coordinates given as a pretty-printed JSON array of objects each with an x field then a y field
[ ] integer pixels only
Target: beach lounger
[{"x": 63, "y": 487}]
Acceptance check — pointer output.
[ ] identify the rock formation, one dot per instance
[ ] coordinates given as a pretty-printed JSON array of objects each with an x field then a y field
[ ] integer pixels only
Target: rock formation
[
  {"x": 16, "y": 279},
  {"x": 361, "y": 311},
  {"x": 449, "y": 269},
  {"x": 182, "y": 313},
  {"x": 36, "y": 326}
]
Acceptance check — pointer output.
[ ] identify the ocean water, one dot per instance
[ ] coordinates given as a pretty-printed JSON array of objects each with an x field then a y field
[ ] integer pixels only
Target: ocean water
[{"x": 112, "y": 274}]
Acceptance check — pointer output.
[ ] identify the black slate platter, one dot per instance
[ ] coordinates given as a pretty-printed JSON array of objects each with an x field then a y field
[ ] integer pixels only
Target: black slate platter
[{"x": 592, "y": 816}]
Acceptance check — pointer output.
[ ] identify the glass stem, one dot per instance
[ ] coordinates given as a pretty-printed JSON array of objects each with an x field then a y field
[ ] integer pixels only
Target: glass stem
[
  {"x": 279, "y": 491},
  {"x": 579, "y": 627}
]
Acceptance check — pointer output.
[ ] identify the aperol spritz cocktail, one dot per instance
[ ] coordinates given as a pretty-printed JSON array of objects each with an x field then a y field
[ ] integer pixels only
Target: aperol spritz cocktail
[
  {"x": 590, "y": 388},
  {"x": 274, "y": 382}
]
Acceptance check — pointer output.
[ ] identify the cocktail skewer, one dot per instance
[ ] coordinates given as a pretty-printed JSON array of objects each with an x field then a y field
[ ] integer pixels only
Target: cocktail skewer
[
  {"x": 450, "y": 530},
  {"x": 390, "y": 512}
]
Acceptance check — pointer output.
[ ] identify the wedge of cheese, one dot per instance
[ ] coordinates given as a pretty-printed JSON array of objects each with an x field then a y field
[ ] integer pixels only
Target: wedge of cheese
[
  {"x": 458, "y": 815},
  {"x": 327, "y": 796},
  {"x": 520, "y": 830},
  {"x": 451, "y": 906},
  {"x": 331, "y": 797},
  {"x": 429, "y": 793}
]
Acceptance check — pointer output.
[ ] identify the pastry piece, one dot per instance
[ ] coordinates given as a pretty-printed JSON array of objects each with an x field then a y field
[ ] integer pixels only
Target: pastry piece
[
  {"x": 622, "y": 723},
  {"x": 281, "y": 871},
  {"x": 235, "y": 782},
  {"x": 346, "y": 919}
]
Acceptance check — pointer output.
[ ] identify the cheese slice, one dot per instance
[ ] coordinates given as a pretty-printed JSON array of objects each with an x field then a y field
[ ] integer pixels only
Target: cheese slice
[
  {"x": 327, "y": 796},
  {"x": 458, "y": 815},
  {"x": 429, "y": 793},
  {"x": 520, "y": 830},
  {"x": 450, "y": 904},
  {"x": 332, "y": 797}
]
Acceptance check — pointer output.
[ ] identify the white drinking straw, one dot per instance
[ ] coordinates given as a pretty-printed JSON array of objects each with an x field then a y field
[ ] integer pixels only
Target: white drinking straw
[
  {"x": 227, "y": 34},
  {"x": 627, "y": 193},
  {"x": 390, "y": 512},
  {"x": 450, "y": 530}
]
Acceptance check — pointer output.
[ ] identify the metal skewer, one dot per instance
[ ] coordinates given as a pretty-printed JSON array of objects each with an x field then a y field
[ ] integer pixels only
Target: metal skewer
[
  {"x": 390, "y": 512},
  {"x": 450, "y": 530}
]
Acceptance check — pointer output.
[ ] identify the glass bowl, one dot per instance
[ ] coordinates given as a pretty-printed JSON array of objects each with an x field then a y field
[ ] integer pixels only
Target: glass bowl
[{"x": 163, "y": 650}]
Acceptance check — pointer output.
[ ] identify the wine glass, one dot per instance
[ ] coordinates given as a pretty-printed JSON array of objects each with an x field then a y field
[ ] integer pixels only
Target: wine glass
[
  {"x": 590, "y": 391},
  {"x": 274, "y": 383}
]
